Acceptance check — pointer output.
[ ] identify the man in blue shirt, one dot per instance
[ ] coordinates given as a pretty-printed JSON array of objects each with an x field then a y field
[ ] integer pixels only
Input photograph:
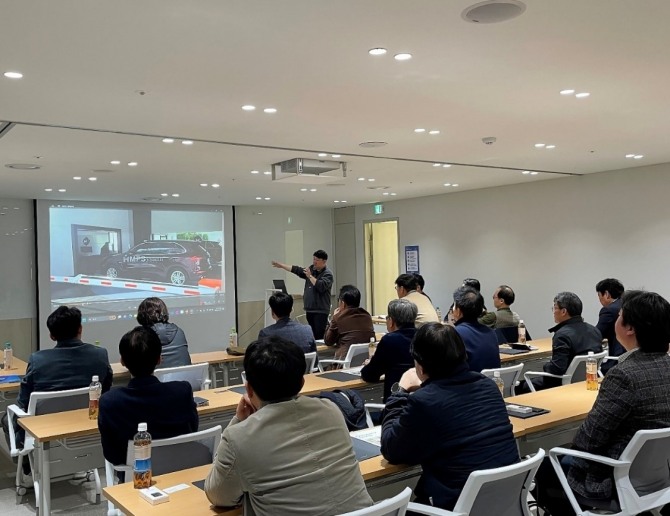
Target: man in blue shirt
[
  {"x": 481, "y": 343},
  {"x": 281, "y": 306}
]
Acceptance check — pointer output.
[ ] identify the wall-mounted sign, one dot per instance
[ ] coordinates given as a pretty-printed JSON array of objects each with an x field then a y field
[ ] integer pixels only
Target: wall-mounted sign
[
  {"x": 412, "y": 259},
  {"x": 379, "y": 209}
]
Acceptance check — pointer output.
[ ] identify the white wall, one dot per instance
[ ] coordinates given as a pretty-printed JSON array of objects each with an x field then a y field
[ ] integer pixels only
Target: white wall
[{"x": 540, "y": 238}]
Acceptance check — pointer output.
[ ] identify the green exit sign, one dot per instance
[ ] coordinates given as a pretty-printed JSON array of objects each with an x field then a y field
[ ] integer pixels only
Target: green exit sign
[{"x": 379, "y": 209}]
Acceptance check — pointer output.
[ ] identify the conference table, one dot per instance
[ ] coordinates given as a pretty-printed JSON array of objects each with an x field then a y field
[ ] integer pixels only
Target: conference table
[
  {"x": 9, "y": 390},
  {"x": 568, "y": 405}
]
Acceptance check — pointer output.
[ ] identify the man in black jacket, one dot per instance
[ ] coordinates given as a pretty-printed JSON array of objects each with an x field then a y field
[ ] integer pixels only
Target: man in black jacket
[{"x": 609, "y": 294}]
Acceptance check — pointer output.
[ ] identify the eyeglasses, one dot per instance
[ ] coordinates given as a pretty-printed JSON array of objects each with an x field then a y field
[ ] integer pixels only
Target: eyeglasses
[{"x": 556, "y": 308}]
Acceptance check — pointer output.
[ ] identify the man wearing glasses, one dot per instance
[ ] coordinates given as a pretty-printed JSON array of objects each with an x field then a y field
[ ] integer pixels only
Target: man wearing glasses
[{"x": 405, "y": 286}]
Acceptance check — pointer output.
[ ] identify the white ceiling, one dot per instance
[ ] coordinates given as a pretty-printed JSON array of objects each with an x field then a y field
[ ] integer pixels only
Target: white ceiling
[{"x": 200, "y": 61}]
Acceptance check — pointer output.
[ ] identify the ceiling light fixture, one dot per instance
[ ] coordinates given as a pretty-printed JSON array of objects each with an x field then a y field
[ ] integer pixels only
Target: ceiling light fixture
[
  {"x": 402, "y": 56},
  {"x": 270, "y": 110},
  {"x": 187, "y": 142},
  {"x": 203, "y": 184},
  {"x": 92, "y": 178},
  {"x": 255, "y": 172},
  {"x": 168, "y": 140},
  {"x": 638, "y": 156},
  {"x": 13, "y": 75},
  {"x": 419, "y": 130},
  {"x": 77, "y": 178},
  {"x": 630, "y": 155},
  {"x": 437, "y": 164},
  {"x": 455, "y": 185},
  {"x": 582, "y": 95},
  {"x": 266, "y": 198},
  {"x": 322, "y": 154},
  {"x": 526, "y": 172},
  {"x": 385, "y": 193},
  {"x": 248, "y": 107},
  {"x": 164, "y": 195},
  {"x": 377, "y": 51},
  {"x": 259, "y": 198},
  {"x": 115, "y": 162},
  {"x": 267, "y": 173},
  {"x": 132, "y": 163},
  {"x": 303, "y": 189},
  {"x": 539, "y": 145},
  {"x": 567, "y": 92},
  {"x": 361, "y": 179},
  {"x": 335, "y": 155},
  {"x": 175, "y": 195},
  {"x": 215, "y": 185},
  {"x": 550, "y": 147},
  {"x": 434, "y": 131},
  {"x": 533, "y": 173},
  {"x": 371, "y": 179},
  {"x": 61, "y": 190},
  {"x": 447, "y": 184},
  {"x": 393, "y": 193},
  {"x": 446, "y": 165},
  {"x": 312, "y": 189},
  {"x": 48, "y": 189}
]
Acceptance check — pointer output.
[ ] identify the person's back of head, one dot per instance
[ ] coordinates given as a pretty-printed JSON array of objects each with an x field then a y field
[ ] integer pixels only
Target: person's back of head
[
  {"x": 473, "y": 283},
  {"x": 406, "y": 281},
  {"x": 281, "y": 304},
  {"x": 470, "y": 302},
  {"x": 151, "y": 311},
  {"x": 350, "y": 296},
  {"x": 275, "y": 368},
  {"x": 420, "y": 282},
  {"x": 438, "y": 349},
  {"x": 648, "y": 314},
  {"x": 570, "y": 302},
  {"x": 140, "y": 351},
  {"x": 506, "y": 294},
  {"x": 403, "y": 312},
  {"x": 611, "y": 285},
  {"x": 64, "y": 323}
]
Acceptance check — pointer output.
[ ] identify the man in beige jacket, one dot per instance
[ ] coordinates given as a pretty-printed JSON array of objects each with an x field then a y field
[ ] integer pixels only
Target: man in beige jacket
[
  {"x": 287, "y": 454},
  {"x": 405, "y": 286}
]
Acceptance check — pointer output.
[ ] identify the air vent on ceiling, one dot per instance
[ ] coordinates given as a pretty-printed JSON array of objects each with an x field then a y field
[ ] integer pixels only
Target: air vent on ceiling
[
  {"x": 304, "y": 170},
  {"x": 493, "y": 11}
]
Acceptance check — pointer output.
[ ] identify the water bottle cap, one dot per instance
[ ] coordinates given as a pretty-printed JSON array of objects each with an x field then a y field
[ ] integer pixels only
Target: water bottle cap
[
  {"x": 96, "y": 378},
  {"x": 8, "y": 345},
  {"x": 520, "y": 321},
  {"x": 372, "y": 339},
  {"x": 142, "y": 427}
]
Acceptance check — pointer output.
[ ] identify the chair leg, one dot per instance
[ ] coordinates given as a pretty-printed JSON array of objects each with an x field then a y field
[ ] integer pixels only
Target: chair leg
[{"x": 98, "y": 486}]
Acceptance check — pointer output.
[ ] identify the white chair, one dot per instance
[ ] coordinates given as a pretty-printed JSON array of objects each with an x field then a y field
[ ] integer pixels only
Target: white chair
[
  {"x": 168, "y": 455},
  {"x": 396, "y": 506},
  {"x": 344, "y": 363},
  {"x": 75, "y": 457},
  {"x": 195, "y": 374},
  {"x": 641, "y": 474},
  {"x": 374, "y": 406},
  {"x": 510, "y": 377},
  {"x": 571, "y": 375},
  {"x": 501, "y": 491},
  {"x": 600, "y": 369}
]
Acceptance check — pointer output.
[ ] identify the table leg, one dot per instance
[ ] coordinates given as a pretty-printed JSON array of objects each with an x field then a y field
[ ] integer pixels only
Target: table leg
[
  {"x": 45, "y": 476},
  {"x": 225, "y": 374}
]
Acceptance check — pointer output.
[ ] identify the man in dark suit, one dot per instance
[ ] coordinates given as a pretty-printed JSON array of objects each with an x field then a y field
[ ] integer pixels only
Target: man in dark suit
[
  {"x": 351, "y": 324},
  {"x": 609, "y": 294},
  {"x": 281, "y": 306},
  {"x": 70, "y": 365},
  {"x": 167, "y": 408}
]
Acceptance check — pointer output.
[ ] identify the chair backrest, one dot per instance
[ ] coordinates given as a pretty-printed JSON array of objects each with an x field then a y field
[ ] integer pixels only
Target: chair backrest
[
  {"x": 354, "y": 351},
  {"x": 396, "y": 506},
  {"x": 45, "y": 402},
  {"x": 576, "y": 371},
  {"x": 504, "y": 488},
  {"x": 310, "y": 358},
  {"x": 181, "y": 452},
  {"x": 649, "y": 473},
  {"x": 196, "y": 374},
  {"x": 510, "y": 335},
  {"x": 510, "y": 376}
]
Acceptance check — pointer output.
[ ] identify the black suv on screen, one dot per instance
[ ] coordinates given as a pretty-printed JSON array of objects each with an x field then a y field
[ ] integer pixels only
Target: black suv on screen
[{"x": 180, "y": 262}]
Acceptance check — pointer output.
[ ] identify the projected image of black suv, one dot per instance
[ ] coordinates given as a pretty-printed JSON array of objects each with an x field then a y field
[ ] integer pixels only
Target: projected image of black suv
[{"x": 179, "y": 262}]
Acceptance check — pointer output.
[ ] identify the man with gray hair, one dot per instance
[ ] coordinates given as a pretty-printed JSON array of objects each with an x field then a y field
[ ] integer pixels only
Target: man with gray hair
[
  {"x": 572, "y": 337},
  {"x": 392, "y": 357}
]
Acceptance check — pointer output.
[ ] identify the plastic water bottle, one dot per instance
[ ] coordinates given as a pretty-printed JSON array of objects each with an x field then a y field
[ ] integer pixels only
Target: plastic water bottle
[
  {"x": 8, "y": 356},
  {"x": 439, "y": 314},
  {"x": 94, "y": 392},
  {"x": 522, "y": 332},
  {"x": 233, "y": 337},
  {"x": 499, "y": 382},
  {"x": 142, "y": 465},
  {"x": 591, "y": 373},
  {"x": 372, "y": 347}
]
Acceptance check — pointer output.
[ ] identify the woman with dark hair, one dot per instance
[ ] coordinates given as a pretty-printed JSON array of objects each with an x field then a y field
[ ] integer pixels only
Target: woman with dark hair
[
  {"x": 152, "y": 313},
  {"x": 454, "y": 423}
]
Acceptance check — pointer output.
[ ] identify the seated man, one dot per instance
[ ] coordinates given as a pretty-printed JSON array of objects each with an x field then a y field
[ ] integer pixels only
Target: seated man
[
  {"x": 609, "y": 294},
  {"x": 167, "y": 408},
  {"x": 454, "y": 423},
  {"x": 572, "y": 337},
  {"x": 481, "y": 343},
  {"x": 350, "y": 324},
  {"x": 70, "y": 365},
  {"x": 287, "y": 453},
  {"x": 392, "y": 357},
  {"x": 405, "y": 286},
  {"x": 504, "y": 317},
  {"x": 281, "y": 306},
  {"x": 633, "y": 396}
]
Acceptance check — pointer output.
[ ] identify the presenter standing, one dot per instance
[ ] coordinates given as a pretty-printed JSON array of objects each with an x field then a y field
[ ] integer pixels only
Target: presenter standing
[{"x": 316, "y": 297}]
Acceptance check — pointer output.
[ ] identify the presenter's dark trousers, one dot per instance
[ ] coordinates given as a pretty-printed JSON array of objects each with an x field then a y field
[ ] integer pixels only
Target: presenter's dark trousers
[{"x": 318, "y": 323}]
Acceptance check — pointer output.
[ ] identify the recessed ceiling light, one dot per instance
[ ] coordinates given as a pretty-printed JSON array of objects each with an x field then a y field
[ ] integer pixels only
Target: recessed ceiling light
[
  {"x": 13, "y": 75},
  {"x": 446, "y": 165},
  {"x": 393, "y": 193},
  {"x": 335, "y": 155},
  {"x": 419, "y": 130},
  {"x": 270, "y": 110},
  {"x": 215, "y": 185},
  {"x": 168, "y": 140},
  {"x": 132, "y": 163},
  {"x": 48, "y": 189},
  {"x": 582, "y": 95},
  {"x": 437, "y": 164},
  {"x": 248, "y": 107},
  {"x": 377, "y": 51},
  {"x": 434, "y": 131},
  {"x": 77, "y": 178},
  {"x": 187, "y": 142},
  {"x": 539, "y": 145},
  {"x": 267, "y": 173},
  {"x": 385, "y": 193},
  {"x": 255, "y": 172},
  {"x": 630, "y": 155},
  {"x": 455, "y": 185},
  {"x": 312, "y": 189},
  {"x": 550, "y": 147},
  {"x": 638, "y": 156},
  {"x": 62, "y": 190},
  {"x": 526, "y": 172},
  {"x": 447, "y": 184},
  {"x": 336, "y": 201},
  {"x": 92, "y": 178},
  {"x": 533, "y": 173},
  {"x": 164, "y": 195},
  {"x": 303, "y": 189},
  {"x": 361, "y": 179},
  {"x": 175, "y": 195},
  {"x": 567, "y": 92},
  {"x": 115, "y": 162},
  {"x": 343, "y": 201},
  {"x": 203, "y": 184},
  {"x": 322, "y": 154},
  {"x": 371, "y": 179},
  {"x": 259, "y": 198},
  {"x": 402, "y": 57},
  {"x": 266, "y": 198}
]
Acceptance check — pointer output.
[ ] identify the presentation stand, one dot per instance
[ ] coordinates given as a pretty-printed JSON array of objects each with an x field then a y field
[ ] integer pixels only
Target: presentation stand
[{"x": 268, "y": 313}]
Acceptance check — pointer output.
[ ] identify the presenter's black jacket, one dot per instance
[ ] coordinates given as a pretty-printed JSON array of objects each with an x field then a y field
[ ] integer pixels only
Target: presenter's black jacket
[
  {"x": 70, "y": 365},
  {"x": 316, "y": 298},
  {"x": 451, "y": 427},
  {"x": 167, "y": 408}
]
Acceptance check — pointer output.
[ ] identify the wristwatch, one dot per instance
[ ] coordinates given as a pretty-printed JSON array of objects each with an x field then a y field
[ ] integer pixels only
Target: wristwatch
[{"x": 397, "y": 389}]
